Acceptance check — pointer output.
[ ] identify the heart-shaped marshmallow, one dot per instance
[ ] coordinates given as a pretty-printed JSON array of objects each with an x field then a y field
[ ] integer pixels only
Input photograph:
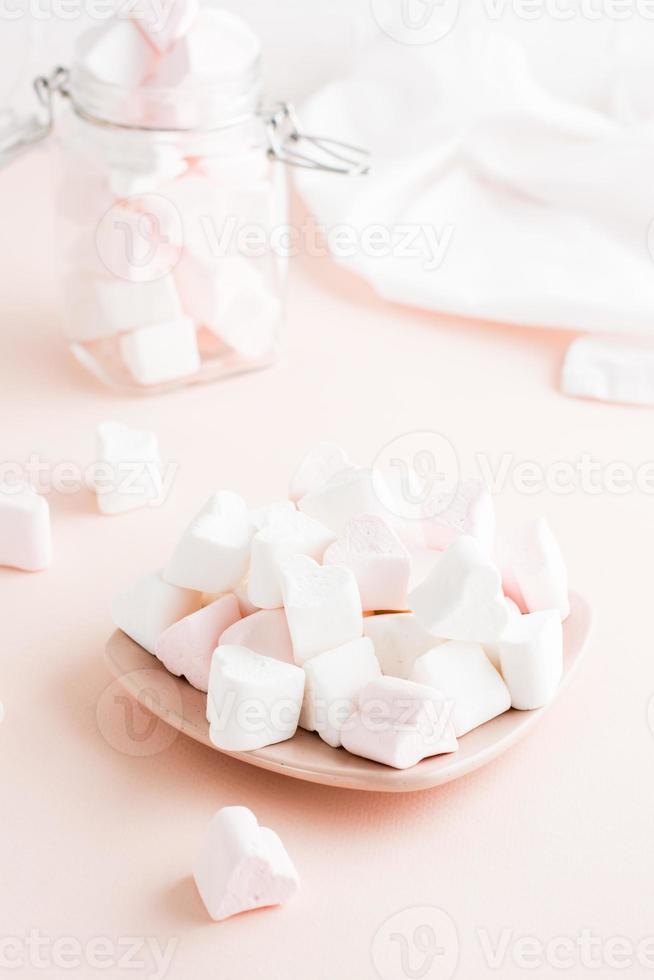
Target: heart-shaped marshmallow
[
  {"x": 317, "y": 468},
  {"x": 285, "y": 535},
  {"x": 242, "y": 866},
  {"x": 347, "y": 494},
  {"x": 464, "y": 675},
  {"x": 322, "y": 604},
  {"x": 213, "y": 553},
  {"x": 150, "y": 607},
  {"x": 264, "y": 632},
  {"x": 380, "y": 562},
  {"x": 25, "y": 535},
  {"x": 462, "y": 598},
  {"x": 534, "y": 570},
  {"x": 531, "y": 657},
  {"x": 471, "y": 511},
  {"x": 163, "y": 27},
  {"x": 399, "y": 639},
  {"x": 187, "y": 646},
  {"x": 127, "y": 474}
]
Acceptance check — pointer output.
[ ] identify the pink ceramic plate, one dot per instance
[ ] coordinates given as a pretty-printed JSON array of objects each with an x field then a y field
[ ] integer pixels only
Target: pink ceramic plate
[{"x": 306, "y": 756}]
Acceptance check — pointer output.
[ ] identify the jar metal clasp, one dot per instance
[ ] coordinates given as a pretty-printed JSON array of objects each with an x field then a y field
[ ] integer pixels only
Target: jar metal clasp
[
  {"x": 22, "y": 134},
  {"x": 290, "y": 145}
]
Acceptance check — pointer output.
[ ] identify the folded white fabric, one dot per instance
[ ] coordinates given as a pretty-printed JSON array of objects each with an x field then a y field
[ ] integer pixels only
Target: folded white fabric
[
  {"x": 527, "y": 185},
  {"x": 610, "y": 369}
]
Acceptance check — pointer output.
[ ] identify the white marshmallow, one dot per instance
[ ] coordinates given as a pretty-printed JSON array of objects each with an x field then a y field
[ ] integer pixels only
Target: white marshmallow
[
  {"x": 25, "y": 535},
  {"x": 218, "y": 44},
  {"x": 399, "y": 639},
  {"x": 380, "y": 562},
  {"x": 531, "y": 655},
  {"x": 123, "y": 305},
  {"x": 213, "y": 553},
  {"x": 271, "y": 513},
  {"x": 534, "y": 570},
  {"x": 398, "y": 723},
  {"x": 161, "y": 352},
  {"x": 464, "y": 675},
  {"x": 133, "y": 177},
  {"x": 264, "y": 632},
  {"x": 117, "y": 53},
  {"x": 347, "y": 494},
  {"x": 610, "y": 369},
  {"x": 322, "y": 606},
  {"x": 462, "y": 599},
  {"x": 161, "y": 30},
  {"x": 242, "y": 866},
  {"x": 150, "y": 606},
  {"x": 471, "y": 512},
  {"x": 333, "y": 679},
  {"x": 320, "y": 464},
  {"x": 285, "y": 535},
  {"x": 253, "y": 701},
  {"x": 127, "y": 474},
  {"x": 492, "y": 650}
]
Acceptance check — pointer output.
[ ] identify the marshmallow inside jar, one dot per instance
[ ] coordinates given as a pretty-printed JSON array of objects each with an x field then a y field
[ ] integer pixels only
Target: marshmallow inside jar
[{"x": 163, "y": 173}]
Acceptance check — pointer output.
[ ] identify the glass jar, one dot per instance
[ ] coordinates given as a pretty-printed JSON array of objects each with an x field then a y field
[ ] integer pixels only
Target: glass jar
[{"x": 168, "y": 201}]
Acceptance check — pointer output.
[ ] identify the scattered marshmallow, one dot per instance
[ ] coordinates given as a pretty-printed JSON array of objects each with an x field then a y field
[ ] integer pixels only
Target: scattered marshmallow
[
  {"x": 127, "y": 472},
  {"x": 322, "y": 604},
  {"x": 531, "y": 655},
  {"x": 534, "y": 570},
  {"x": 398, "y": 723},
  {"x": 161, "y": 30},
  {"x": 333, "y": 679},
  {"x": 264, "y": 632},
  {"x": 286, "y": 534},
  {"x": 187, "y": 646},
  {"x": 380, "y": 562},
  {"x": 317, "y": 468},
  {"x": 161, "y": 352},
  {"x": 242, "y": 866},
  {"x": 399, "y": 639},
  {"x": 214, "y": 551},
  {"x": 347, "y": 494},
  {"x": 464, "y": 675},
  {"x": 149, "y": 607},
  {"x": 471, "y": 512},
  {"x": 253, "y": 701},
  {"x": 610, "y": 369},
  {"x": 462, "y": 599},
  {"x": 25, "y": 535}
]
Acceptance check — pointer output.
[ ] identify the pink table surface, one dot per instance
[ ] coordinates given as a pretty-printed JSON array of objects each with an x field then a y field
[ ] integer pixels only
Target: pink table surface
[{"x": 97, "y": 842}]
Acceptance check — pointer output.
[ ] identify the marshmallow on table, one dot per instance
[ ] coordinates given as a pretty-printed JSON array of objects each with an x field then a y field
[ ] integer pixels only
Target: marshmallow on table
[
  {"x": 242, "y": 866},
  {"x": 161, "y": 352},
  {"x": 287, "y": 534},
  {"x": 320, "y": 464},
  {"x": 163, "y": 30},
  {"x": 117, "y": 53},
  {"x": 322, "y": 604},
  {"x": 149, "y": 607},
  {"x": 25, "y": 535},
  {"x": 214, "y": 551},
  {"x": 492, "y": 650},
  {"x": 464, "y": 675},
  {"x": 462, "y": 599},
  {"x": 187, "y": 646},
  {"x": 531, "y": 655},
  {"x": 398, "y": 723},
  {"x": 347, "y": 494},
  {"x": 253, "y": 701},
  {"x": 380, "y": 562},
  {"x": 610, "y": 369},
  {"x": 333, "y": 679},
  {"x": 399, "y": 639},
  {"x": 127, "y": 474},
  {"x": 534, "y": 570},
  {"x": 264, "y": 632},
  {"x": 471, "y": 512}
]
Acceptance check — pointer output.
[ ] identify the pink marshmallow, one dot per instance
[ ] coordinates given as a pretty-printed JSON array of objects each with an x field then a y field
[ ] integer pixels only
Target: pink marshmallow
[
  {"x": 25, "y": 537},
  {"x": 265, "y": 632},
  {"x": 534, "y": 573},
  {"x": 380, "y": 562},
  {"x": 187, "y": 646},
  {"x": 398, "y": 723},
  {"x": 471, "y": 512},
  {"x": 242, "y": 866},
  {"x": 163, "y": 31}
]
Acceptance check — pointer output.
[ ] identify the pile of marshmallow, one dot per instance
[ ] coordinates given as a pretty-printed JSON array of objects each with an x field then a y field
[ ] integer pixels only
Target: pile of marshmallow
[
  {"x": 148, "y": 276},
  {"x": 304, "y": 613}
]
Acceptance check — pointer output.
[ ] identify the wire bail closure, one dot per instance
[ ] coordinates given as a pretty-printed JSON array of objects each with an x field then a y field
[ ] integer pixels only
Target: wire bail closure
[
  {"x": 291, "y": 146},
  {"x": 24, "y": 134}
]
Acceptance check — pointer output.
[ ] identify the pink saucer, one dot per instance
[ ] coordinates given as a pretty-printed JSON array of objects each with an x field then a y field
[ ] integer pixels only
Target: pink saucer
[{"x": 306, "y": 756}]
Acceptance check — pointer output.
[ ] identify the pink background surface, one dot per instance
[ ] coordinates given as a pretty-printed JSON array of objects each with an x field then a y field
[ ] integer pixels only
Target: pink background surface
[{"x": 552, "y": 838}]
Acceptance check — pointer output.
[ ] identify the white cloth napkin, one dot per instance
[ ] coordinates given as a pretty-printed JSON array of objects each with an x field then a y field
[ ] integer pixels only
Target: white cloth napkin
[{"x": 541, "y": 203}]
